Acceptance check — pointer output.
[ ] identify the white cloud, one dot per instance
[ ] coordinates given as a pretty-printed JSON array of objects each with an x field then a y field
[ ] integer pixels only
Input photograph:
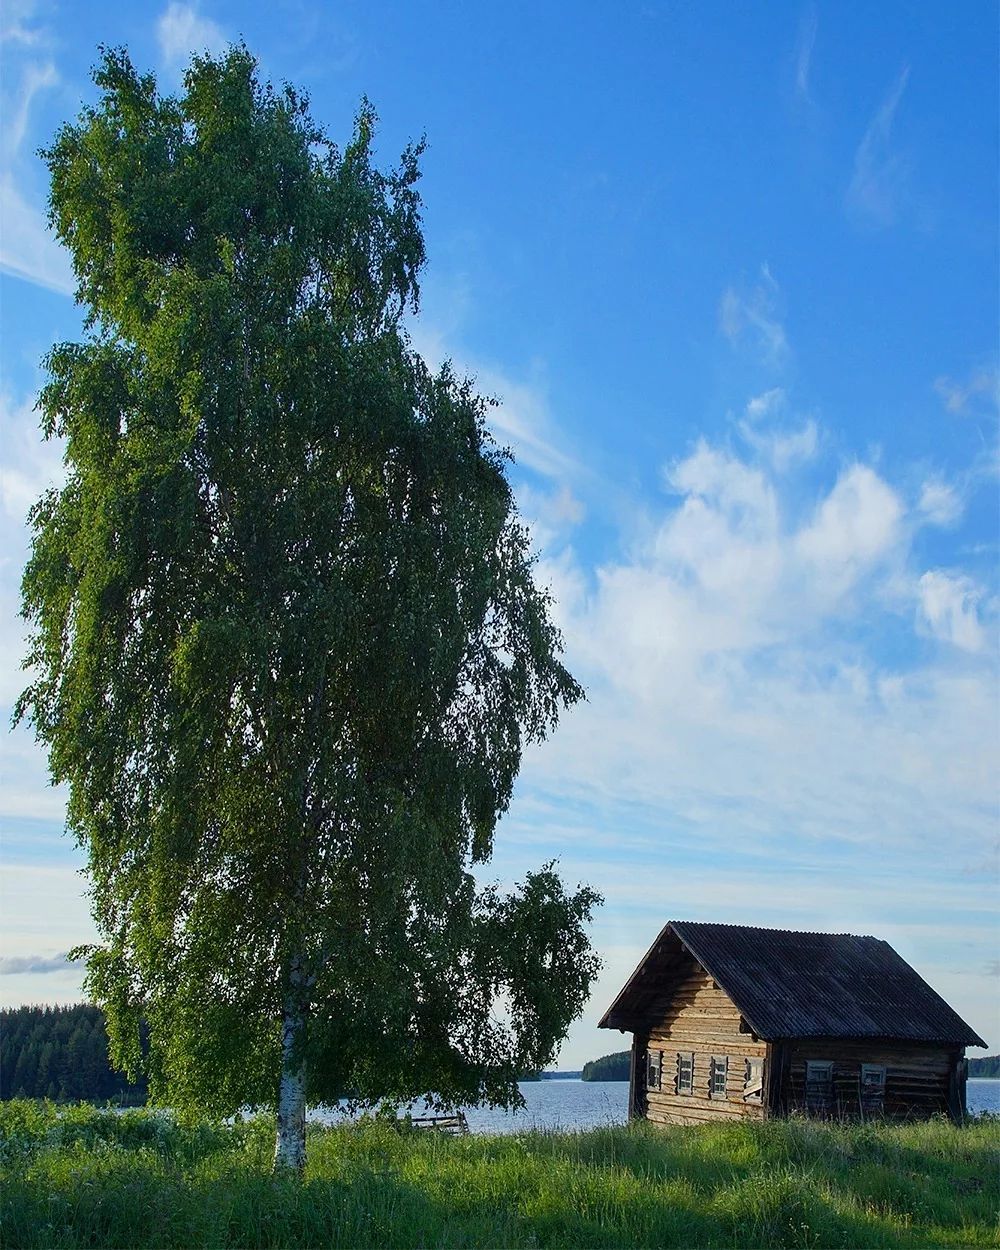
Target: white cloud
[
  {"x": 948, "y": 606},
  {"x": 880, "y": 172},
  {"x": 981, "y": 384},
  {"x": 765, "y": 404},
  {"x": 37, "y": 77},
  {"x": 522, "y": 416},
  {"x": 183, "y": 31},
  {"x": 740, "y": 700},
  {"x": 939, "y": 502},
  {"x": 30, "y": 464},
  {"x": 854, "y": 526},
  {"x": 43, "y": 908},
  {"x": 26, "y": 791},
  {"x": 783, "y": 448},
  {"x": 13, "y": 965},
  {"x": 753, "y": 315},
  {"x": 549, "y": 514},
  {"x": 27, "y": 248},
  {"x": 523, "y": 420},
  {"x": 16, "y": 17}
]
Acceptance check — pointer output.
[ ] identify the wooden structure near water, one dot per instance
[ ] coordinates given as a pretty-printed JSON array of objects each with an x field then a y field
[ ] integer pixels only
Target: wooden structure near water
[
  {"x": 730, "y": 1021},
  {"x": 455, "y": 1125}
]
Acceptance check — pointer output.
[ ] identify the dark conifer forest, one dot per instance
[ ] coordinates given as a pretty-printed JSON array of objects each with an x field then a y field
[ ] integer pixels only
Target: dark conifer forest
[
  {"x": 60, "y": 1053},
  {"x": 608, "y": 1068}
]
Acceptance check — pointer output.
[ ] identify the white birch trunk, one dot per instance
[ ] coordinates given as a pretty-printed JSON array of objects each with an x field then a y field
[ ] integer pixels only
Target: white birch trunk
[{"x": 290, "y": 1139}]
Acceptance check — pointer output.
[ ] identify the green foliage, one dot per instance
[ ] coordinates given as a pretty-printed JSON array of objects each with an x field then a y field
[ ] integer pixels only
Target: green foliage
[
  {"x": 984, "y": 1065},
  {"x": 286, "y": 642},
  {"x": 60, "y": 1053},
  {"x": 608, "y": 1068},
  {"x": 88, "y": 1178}
]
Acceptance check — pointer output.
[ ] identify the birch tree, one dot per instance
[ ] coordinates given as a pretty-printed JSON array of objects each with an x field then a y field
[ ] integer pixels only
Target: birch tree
[{"x": 286, "y": 646}]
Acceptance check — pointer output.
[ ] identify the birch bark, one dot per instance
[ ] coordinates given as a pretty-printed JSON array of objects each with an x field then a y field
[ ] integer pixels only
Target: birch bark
[{"x": 290, "y": 1137}]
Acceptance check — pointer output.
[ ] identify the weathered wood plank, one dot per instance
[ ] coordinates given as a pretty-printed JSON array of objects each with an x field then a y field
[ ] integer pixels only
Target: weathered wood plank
[
  {"x": 710, "y": 1043},
  {"x": 693, "y": 1114},
  {"x": 719, "y": 1012}
]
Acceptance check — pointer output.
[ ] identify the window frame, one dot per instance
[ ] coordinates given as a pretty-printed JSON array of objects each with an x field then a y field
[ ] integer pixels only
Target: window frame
[
  {"x": 871, "y": 1095},
  {"x": 682, "y": 1090},
  {"x": 818, "y": 1099},
  {"x": 753, "y": 1074},
  {"x": 654, "y": 1063},
  {"x": 720, "y": 1063}
]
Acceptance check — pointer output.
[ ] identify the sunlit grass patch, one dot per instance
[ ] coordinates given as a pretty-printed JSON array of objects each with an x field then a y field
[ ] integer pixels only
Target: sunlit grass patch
[{"x": 82, "y": 1177}]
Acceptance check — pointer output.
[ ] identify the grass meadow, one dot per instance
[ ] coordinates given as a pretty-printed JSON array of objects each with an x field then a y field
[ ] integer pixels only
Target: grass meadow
[{"x": 80, "y": 1176}]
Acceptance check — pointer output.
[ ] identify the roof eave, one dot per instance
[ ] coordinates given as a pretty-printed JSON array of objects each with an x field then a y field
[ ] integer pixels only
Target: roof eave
[{"x": 605, "y": 1020}]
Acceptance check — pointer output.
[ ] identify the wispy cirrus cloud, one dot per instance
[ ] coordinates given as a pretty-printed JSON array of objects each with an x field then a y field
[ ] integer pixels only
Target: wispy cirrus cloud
[
  {"x": 784, "y": 445},
  {"x": 37, "y": 76},
  {"x": 28, "y": 249},
  {"x": 949, "y": 607},
  {"x": 522, "y": 416},
  {"x": 750, "y": 314},
  {"x": 182, "y": 31},
  {"x": 29, "y": 464},
  {"x": 940, "y": 502},
  {"x": 880, "y": 174},
  {"x": 19, "y": 25},
  {"x": 981, "y": 387}
]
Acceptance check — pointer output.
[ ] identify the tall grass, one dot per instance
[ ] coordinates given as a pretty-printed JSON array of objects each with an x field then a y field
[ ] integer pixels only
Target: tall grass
[{"x": 83, "y": 1177}]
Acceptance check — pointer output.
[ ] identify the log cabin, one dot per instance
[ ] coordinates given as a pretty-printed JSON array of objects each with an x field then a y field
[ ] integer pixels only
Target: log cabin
[{"x": 730, "y": 1021}]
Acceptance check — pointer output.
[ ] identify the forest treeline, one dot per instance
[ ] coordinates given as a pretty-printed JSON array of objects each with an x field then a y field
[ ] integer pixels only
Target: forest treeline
[
  {"x": 60, "y": 1053},
  {"x": 608, "y": 1068}
]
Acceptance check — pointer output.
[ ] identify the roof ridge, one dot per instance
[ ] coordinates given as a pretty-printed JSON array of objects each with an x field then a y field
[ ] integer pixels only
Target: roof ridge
[{"x": 757, "y": 928}]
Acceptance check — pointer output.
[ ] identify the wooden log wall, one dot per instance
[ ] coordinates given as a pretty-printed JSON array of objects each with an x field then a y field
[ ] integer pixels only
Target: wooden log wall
[
  {"x": 917, "y": 1077},
  {"x": 702, "y": 1020}
]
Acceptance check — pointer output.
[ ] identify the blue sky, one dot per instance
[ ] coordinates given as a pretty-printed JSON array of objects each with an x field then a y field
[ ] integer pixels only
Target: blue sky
[{"x": 732, "y": 271}]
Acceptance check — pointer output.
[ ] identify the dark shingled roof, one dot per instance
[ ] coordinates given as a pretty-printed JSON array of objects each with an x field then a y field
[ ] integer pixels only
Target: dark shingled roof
[{"x": 789, "y": 985}]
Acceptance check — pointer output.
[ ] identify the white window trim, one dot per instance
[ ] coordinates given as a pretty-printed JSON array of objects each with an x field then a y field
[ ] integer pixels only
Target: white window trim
[{"x": 719, "y": 1061}]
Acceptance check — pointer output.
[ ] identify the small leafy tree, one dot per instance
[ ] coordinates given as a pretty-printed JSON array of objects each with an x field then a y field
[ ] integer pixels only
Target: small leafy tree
[{"x": 286, "y": 644}]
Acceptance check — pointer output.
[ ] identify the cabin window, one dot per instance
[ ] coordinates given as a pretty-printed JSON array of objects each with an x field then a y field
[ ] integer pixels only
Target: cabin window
[
  {"x": 753, "y": 1080},
  {"x": 819, "y": 1086},
  {"x": 654, "y": 1069},
  {"x": 685, "y": 1073},
  {"x": 717, "y": 1081},
  {"x": 872, "y": 1087}
]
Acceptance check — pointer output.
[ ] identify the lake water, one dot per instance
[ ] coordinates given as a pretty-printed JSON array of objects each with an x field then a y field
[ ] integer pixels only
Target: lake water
[
  {"x": 592, "y": 1104},
  {"x": 983, "y": 1094}
]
